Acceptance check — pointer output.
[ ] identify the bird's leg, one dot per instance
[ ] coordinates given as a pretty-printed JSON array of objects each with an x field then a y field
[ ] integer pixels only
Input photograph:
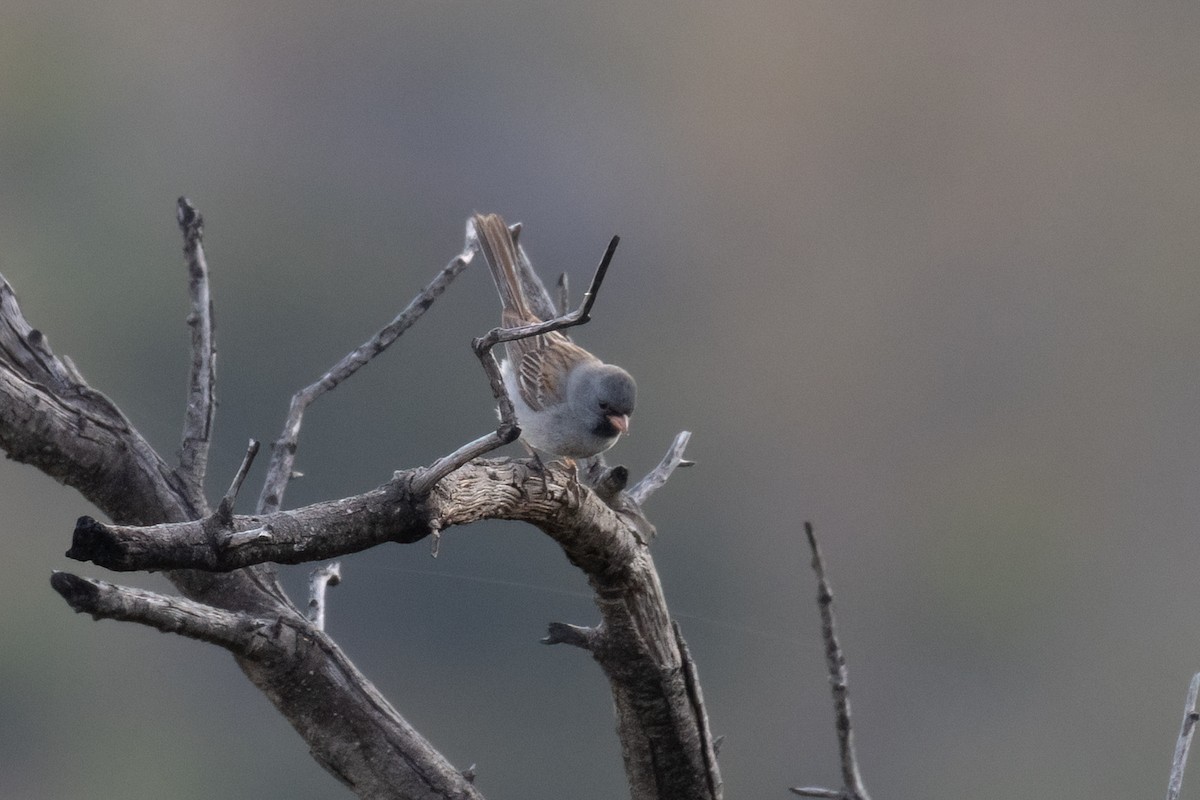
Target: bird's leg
[
  {"x": 574, "y": 485},
  {"x": 572, "y": 468},
  {"x": 541, "y": 465}
]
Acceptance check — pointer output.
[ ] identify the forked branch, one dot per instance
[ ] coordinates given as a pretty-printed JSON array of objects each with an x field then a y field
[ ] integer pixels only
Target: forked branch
[{"x": 658, "y": 476}]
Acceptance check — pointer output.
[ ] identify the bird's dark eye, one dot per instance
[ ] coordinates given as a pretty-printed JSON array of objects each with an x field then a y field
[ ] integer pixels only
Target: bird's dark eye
[{"x": 604, "y": 405}]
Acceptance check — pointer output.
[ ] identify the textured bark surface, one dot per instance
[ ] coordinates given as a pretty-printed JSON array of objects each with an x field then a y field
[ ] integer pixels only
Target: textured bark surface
[
  {"x": 661, "y": 720},
  {"x": 50, "y": 418}
]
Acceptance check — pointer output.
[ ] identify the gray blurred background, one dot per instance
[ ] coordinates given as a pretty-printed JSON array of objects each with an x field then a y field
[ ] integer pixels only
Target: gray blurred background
[{"x": 922, "y": 273}]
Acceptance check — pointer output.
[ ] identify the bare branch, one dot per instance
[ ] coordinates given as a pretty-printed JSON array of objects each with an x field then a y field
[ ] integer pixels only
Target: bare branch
[
  {"x": 225, "y": 507},
  {"x": 320, "y": 580},
  {"x": 198, "y": 419},
  {"x": 564, "y": 293},
  {"x": 237, "y": 632},
  {"x": 660, "y": 720},
  {"x": 427, "y": 478},
  {"x": 815, "y": 791},
  {"x": 283, "y": 451},
  {"x": 393, "y": 512},
  {"x": 656, "y": 708},
  {"x": 852, "y": 788},
  {"x": 312, "y": 533},
  {"x": 50, "y": 418},
  {"x": 658, "y": 476},
  {"x": 1190, "y": 718},
  {"x": 45, "y": 407},
  {"x": 366, "y": 744},
  {"x": 53, "y": 420},
  {"x": 580, "y": 316}
]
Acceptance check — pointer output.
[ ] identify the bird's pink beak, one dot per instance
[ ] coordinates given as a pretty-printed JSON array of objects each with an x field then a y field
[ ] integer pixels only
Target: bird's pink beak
[{"x": 620, "y": 422}]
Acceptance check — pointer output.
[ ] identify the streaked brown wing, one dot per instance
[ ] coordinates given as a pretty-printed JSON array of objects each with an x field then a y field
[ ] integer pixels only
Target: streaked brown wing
[{"x": 543, "y": 363}]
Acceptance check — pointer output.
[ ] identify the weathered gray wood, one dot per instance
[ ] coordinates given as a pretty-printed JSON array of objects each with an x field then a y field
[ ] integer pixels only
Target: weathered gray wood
[
  {"x": 202, "y": 380},
  {"x": 50, "y": 418},
  {"x": 661, "y": 719}
]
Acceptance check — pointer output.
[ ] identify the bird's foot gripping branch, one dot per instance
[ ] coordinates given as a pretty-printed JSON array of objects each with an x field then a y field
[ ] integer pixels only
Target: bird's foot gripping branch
[{"x": 222, "y": 563}]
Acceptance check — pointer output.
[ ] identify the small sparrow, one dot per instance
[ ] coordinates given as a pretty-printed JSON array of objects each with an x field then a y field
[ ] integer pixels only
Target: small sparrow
[{"x": 568, "y": 402}]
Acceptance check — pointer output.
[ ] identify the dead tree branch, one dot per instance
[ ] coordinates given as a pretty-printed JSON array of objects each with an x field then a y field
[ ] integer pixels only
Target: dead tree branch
[
  {"x": 1190, "y": 717},
  {"x": 225, "y": 508},
  {"x": 313, "y": 533},
  {"x": 392, "y": 761},
  {"x": 239, "y": 633},
  {"x": 201, "y": 402},
  {"x": 49, "y": 417},
  {"x": 658, "y": 476},
  {"x": 320, "y": 580},
  {"x": 852, "y": 784}
]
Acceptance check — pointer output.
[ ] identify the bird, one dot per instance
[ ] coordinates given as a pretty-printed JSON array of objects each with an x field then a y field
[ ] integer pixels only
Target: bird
[{"x": 568, "y": 402}]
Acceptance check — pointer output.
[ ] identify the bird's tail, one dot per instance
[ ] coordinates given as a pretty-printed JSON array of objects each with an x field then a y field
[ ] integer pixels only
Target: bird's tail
[{"x": 500, "y": 253}]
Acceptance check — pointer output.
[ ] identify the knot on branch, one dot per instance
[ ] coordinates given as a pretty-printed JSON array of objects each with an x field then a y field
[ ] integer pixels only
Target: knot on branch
[
  {"x": 574, "y": 635},
  {"x": 232, "y": 539},
  {"x": 610, "y": 482}
]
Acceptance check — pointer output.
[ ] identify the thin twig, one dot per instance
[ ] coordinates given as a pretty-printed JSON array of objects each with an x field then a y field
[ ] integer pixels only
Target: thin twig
[
  {"x": 852, "y": 784},
  {"x": 283, "y": 451},
  {"x": 817, "y": 791},
  {"x": 658, "y": 476},
  {"x": 198, "y": 419},
  {"x": 507, "y": 431},
  {"x": 247, "y": 461},
  {"x": 321, "y": 579},
  {"x": 564, "y": 293},
  {"x": 429, "y": 477},
  {"x": 225, "y": 507},
  {"x": 580, "y": 316},
  {"x": 1190, "y": 718}
]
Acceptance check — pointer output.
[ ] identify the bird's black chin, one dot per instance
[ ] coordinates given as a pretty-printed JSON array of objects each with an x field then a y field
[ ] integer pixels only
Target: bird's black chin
[{"x": 606, "y": 430}]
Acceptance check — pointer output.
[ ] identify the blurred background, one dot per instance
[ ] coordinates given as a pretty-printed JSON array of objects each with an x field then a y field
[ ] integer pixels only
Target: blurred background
[{"x": 924, "y": 274}]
